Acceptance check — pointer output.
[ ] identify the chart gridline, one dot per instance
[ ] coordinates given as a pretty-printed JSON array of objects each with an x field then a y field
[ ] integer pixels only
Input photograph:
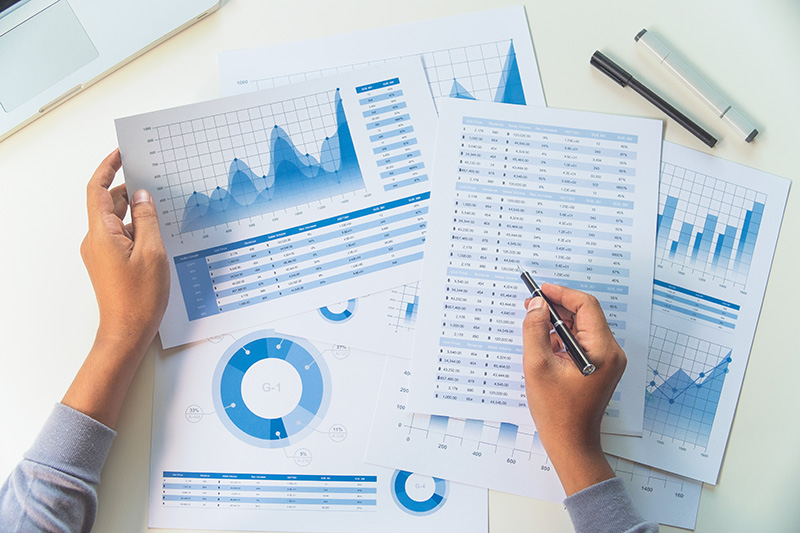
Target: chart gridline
[
  {"x": 685, "y": 379},
  {"x": 707, "y": 225},
  {"x": 248, "y": 161},
  {"x": 486, "y": 71},
  {"x": 403, "y": 307}
]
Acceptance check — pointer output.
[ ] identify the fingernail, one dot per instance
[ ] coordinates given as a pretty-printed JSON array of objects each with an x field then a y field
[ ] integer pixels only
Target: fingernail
[
  {"x": 535, "y": 303},
  {"x": 141, "y": 196}
]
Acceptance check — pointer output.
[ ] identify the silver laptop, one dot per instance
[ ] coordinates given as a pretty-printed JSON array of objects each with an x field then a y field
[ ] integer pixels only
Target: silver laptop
[{"x": 52, "y": 49}]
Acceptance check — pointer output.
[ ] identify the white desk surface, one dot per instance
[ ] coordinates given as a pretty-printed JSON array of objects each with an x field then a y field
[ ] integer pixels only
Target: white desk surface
[{"x": 751, "y": 50}]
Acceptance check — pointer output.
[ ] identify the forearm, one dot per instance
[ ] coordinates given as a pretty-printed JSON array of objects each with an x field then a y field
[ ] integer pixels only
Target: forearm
[
  {"x": 102, "y": 382},
  {"x": 579, "y": 468}
]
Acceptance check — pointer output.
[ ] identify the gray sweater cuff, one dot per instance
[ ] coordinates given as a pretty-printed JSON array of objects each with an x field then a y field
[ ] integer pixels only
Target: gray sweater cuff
[
  {"x": 604, "y": 508},
  {"x": 73, "y": 443}
]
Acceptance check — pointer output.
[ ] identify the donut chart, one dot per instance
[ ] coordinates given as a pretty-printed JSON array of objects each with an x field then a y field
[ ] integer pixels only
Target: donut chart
[
  {"x": 418, "y": 495},
  {"x": 339, "y": 316},
  {"x": 271, "y": 390}
]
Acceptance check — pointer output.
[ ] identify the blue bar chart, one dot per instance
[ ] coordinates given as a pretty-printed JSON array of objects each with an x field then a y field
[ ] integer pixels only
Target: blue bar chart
[
  {"x": 707, "y": 225},
  {"x": 403, "y": 307}
]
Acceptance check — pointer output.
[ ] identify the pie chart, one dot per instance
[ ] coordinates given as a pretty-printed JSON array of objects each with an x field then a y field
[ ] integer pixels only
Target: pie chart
[
  {"x": 340, "y": 312},
  {"x": 417, "y": 494},
  {"x": 271, "y": 390}
]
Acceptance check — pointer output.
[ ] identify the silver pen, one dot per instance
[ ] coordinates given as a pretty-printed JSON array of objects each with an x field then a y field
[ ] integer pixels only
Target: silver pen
[{"x": 570, "y": 343}]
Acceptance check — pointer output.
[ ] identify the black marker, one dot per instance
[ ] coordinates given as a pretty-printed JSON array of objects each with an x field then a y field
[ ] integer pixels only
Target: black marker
[
  {"x": 621, "y": 76},
  {"x": 570, "y": 343}
]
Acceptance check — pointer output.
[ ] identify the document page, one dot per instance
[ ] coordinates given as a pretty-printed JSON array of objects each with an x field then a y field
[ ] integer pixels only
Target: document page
[
  {"x": 569, "y": 196},
  {"x": 262, "y": 431},
  {"x": 273, "y": 202},
  {"x": 486, "y": 55},
  {"x": 718, "y": 225},
  {"x": 502, "y": 456}
]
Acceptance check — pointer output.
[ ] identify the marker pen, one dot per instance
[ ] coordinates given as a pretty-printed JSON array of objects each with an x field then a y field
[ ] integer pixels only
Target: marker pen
[
  {"x": 624, "y": 79},
  {"x": 677, "y": 66}
]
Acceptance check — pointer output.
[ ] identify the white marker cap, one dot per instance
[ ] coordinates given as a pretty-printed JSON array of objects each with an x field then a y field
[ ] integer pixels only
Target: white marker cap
[{"x": 679, "y": 68}]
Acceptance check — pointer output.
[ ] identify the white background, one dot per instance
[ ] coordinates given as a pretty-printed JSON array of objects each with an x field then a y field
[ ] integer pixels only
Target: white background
[{"x": 749, "y": 50}]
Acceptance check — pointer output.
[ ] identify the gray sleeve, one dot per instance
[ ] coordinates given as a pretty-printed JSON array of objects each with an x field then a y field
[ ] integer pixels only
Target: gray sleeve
[
  {"x": 606, "y": 508},
  {"x": 54, "y": 487}
]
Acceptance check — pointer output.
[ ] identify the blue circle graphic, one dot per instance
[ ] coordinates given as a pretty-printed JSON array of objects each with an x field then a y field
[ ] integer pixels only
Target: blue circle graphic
[
  {"x": 248, "y": 426},
  {"x": 418, "y": 507},
  {"x": 342, "y": 316}
]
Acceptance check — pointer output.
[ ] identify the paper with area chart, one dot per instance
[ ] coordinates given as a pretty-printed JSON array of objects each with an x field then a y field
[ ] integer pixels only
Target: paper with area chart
[
  {"x": 567, "y": 195},
  {"x": 272, "y": 202},
  {"x": 502, "y": 456},
  {"x": 718, "y": 225},
  {"x": 486, "y": 55},
  {"x": 261, "y": 430}
]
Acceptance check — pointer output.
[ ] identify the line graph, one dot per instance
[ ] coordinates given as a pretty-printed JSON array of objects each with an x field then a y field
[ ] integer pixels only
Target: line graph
[
  {"x": 302, "y": 146},
  {"x": 685, "y": 379}
]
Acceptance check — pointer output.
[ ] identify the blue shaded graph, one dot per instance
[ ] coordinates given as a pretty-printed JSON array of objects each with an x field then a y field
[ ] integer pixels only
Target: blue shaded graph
[
  {"x": 509, "y": 89},
  {"x": 684, "y": 388},
  {"x": 293, "y": 178},
  {"x": 459, "y": 91},
  {"x": 708, "y": 225},
  {"x": 698, "y": 245},
  {"x": 411, "y": 310},
  {"x": 403, "y": 307},
  {"x": 470, "y": 72}
]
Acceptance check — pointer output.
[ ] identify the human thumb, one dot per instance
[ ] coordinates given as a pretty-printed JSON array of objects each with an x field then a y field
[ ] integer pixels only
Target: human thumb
[
  {"x": 144, "y": 218},
  {"x": 536, "y": 333}
]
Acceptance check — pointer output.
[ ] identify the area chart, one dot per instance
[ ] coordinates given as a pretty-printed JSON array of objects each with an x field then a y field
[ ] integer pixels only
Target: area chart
[{"x": 310, "y": 193}]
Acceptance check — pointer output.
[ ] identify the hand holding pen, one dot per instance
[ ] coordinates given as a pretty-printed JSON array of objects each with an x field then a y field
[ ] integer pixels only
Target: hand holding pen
[
  {"x": 568, "y": 407},
  {"x": 559, "y": 326}
]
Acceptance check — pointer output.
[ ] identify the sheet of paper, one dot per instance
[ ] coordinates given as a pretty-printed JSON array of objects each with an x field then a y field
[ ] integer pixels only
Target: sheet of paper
[
  {"x": 502, "y": 456},
  {"x": 569, "y": 196},
  {"x": 261, "y": 430},
  {"x": 272, "y": 202},
  {"x": 485, "y": 56},
  {"x": 381, "y": 323},
  {"x": 718, "y": 225}
]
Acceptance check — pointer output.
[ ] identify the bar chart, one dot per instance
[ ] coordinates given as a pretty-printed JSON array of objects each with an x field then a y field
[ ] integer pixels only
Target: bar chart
[
  {"x": 403, "y": 306},
  {"x": 707, "y": 225}
]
